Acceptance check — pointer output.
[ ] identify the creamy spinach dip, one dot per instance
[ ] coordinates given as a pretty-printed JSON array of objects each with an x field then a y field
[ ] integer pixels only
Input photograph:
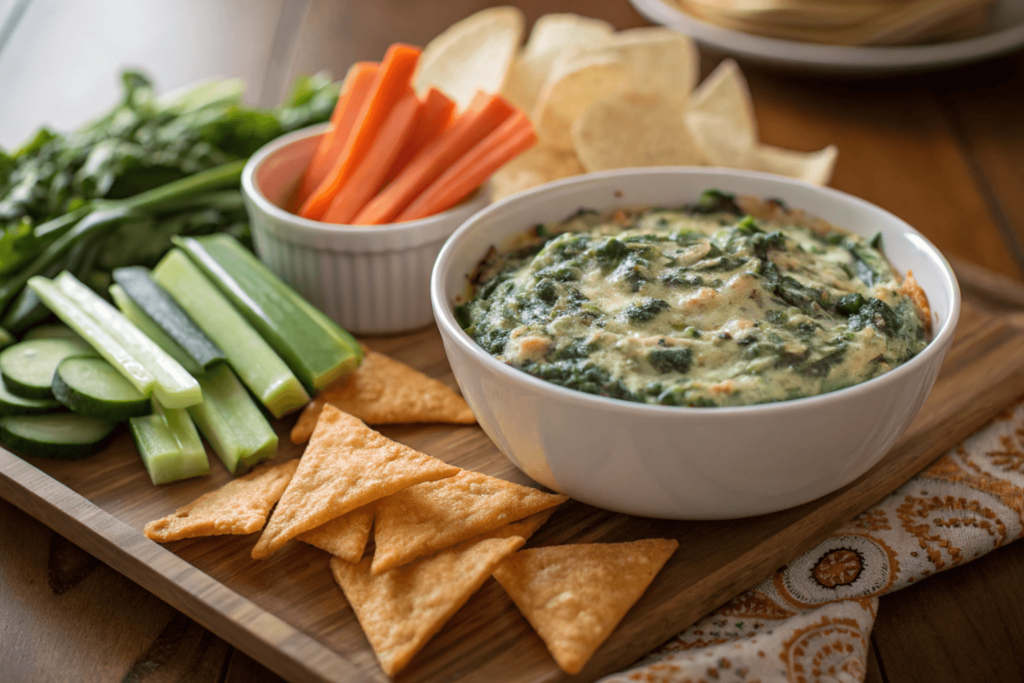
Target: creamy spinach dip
[{"x": 725, "y": 302}]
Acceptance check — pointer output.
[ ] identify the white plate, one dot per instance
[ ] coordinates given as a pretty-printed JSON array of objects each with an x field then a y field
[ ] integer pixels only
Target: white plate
[{"x": 1007, "y": 34}]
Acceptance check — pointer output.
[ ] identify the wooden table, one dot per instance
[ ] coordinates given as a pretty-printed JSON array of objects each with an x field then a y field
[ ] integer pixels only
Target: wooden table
[{"x": 942, "y": 151}]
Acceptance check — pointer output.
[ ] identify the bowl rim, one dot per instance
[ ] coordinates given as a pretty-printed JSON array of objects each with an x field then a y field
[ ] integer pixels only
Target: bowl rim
[
  {"x": 445, "y": 317},
  {"x": 310, "y": 227}
]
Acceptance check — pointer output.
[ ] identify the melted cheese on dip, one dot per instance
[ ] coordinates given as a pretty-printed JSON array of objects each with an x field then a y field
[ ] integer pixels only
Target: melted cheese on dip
[{"x": 701, "y": 306}]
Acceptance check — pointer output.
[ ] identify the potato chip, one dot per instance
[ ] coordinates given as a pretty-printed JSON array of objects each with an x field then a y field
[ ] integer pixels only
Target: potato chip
[
  {"x": 575, "y": 595},
  {"x": 423, "y": 519},
  {"x": 555, "y": 32},
  {"x": 659, "y": 60},
  {"x": 345, "y": 466},
  {"x": 344, "y": 536},
  {"x": 536, "y": 166},
  {"x": 812, "y": 167},
  {"x": 723, "y": 103},
  {"x": 385, "y": 391},
  {"x": 551, "y": 35},
  {"x": 401, "y": 610},
  {"x": 578, "y": 79},
  {"x": 238, "y": 507},
  {"x": 472, "y": 54},
  {"x": 631, "y": 129}
]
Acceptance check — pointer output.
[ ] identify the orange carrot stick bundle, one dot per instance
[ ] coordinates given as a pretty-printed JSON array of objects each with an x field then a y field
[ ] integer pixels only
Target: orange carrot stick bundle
[
  {"x": 389, "y": 86},
  {"x": 506, "y": 142},
  {"x": 357, "y": 86},
  {"x": 432, "y": 119},
  {"x": 483, "y": 116},
  {"x": 369, "y": 176}
]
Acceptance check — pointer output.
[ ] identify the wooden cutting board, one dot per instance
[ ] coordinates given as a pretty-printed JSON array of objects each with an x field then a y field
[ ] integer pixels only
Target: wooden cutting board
[{"x": 288, "y": 613}]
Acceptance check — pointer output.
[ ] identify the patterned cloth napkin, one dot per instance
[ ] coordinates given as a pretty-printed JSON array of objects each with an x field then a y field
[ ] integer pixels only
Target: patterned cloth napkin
[{"x": 812, "y": 620}]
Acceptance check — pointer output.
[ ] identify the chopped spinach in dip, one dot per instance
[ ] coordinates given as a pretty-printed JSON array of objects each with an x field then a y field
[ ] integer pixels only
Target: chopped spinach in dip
[{"x": 701, "y": 306}]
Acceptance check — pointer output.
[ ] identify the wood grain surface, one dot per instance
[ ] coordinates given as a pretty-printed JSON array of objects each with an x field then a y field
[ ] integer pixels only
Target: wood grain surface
[
  {"x": 288, "y": 613},
  {"x": 941, "y": 151}
]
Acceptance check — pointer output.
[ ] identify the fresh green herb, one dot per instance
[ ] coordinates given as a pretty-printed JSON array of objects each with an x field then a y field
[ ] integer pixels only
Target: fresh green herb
[{"x": 113, "y": 192}]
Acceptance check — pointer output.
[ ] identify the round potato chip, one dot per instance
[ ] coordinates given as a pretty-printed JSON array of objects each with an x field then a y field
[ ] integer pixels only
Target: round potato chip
[
  {"x": 551, "y": 35},
  {"x": 472, "y": 54},
  {"x": 632, "y": 129},
  {"x": 536, "y": 166},
  {"x": 813, "y": 167},
  {"x": 724, "y": 99},
  {"x": 577, "y": 80},
  {"x": 659, "y": 60},
  {"x": 721, "y": 148}
]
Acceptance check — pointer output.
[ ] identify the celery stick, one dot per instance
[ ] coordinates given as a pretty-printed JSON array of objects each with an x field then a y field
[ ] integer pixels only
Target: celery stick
[
  {"x": 141, "y": 320},
  {"x": 227, "y": 417},
  {"x": 231, "y": 422},
  {"x": 169, "y": 445},
  {"x": 315, "y": 352},
  {"x": 256, "y": 364},
  {"x": 174, "y": 387},
  {"x": 78, "y": 320}
]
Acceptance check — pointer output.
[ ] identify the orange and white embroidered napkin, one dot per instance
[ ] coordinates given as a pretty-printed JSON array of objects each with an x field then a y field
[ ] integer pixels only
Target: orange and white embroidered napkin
[{"x": 817, "y": 613}]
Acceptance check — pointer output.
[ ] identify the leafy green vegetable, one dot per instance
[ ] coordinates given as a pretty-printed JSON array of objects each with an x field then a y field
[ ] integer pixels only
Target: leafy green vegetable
[{"x": 94, "y": 199}]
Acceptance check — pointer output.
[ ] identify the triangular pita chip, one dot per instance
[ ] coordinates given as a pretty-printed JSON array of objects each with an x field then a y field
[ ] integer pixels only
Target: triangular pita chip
[
  {"x": 524, "y": 528},
  {"x": 383, "y": 391},
  {"x": 423, "y": 519},
  {"x": 575, "y": 595},
  {"x": 403, "y": 609},
  {"x": 345, "y": 466},
  {"x": 238, "y": 507},
  {"x": 344, "y": 536}
]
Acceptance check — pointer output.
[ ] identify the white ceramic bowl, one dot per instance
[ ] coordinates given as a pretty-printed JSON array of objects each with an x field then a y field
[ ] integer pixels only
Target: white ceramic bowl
[
  {"x": 689, "y": 463},
  {"x": 369, "y": 279}
]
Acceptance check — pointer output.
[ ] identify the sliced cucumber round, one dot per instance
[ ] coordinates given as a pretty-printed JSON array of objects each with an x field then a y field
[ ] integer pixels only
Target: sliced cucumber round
[
  {"x": 94, "y": 388},
  {"x": 27, "y": 367},
  {"x": 16, "y": 405},
  {"x": 63, "y": 435}
]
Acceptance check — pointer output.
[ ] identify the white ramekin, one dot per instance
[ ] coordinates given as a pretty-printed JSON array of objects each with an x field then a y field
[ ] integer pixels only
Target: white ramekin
[
  {"x": 369, "y": 279},
  {"x": 689, "y": 463}
]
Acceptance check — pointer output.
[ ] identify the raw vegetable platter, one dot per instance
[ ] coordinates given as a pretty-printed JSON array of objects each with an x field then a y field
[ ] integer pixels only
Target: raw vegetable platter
[{"x": 288, "y": 613}]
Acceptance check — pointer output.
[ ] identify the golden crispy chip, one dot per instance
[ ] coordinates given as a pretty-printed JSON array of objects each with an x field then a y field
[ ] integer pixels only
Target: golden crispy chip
[
  {"x": 812, "y": 167},
  {"x": 575, "y": 595},
  {"x": 536, "y": 166},
  {"x": 472, "y": 54},
  {"x": 403, "y": 609},
  {"x": 238, "y": 507},
  {"x": 630, "y": 129},
  {"x": 524, "y": 528},
  {"x": 423, "y": 519},
  {"x": 659, "y": 60},
  {"x": 722, "y": 108},
  {"x": 579, "y": 77},
  {"x": 384, "y": 391},
  {"x": 345, "y": 466},
  {"x": 551, "y": 35},
  {"x": 344, "y": 536}
]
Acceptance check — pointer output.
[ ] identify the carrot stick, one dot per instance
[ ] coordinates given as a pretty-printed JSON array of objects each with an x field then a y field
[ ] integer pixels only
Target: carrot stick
[
  {"x": 358, "y": 82},
  {"x": 369, "y": 177},
  {"x": 433, "y": 117},
  {"x": 506, "y": 142},
  {"x": 483, "y": 116},
  {"x": 388, "y": 87}
]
